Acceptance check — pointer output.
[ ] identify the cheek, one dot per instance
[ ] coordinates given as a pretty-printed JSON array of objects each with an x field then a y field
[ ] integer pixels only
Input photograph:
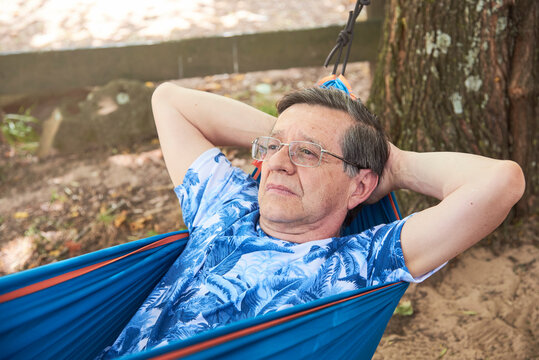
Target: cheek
[
  {"x": 328, "y": 190},
  {"x": 262, "y": 184},
  {"x": 316, "y": 189}
]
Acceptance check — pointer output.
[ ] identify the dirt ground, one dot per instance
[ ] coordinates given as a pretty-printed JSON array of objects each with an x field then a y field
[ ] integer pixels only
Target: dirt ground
[
  {"x": 482, "y": 305},
  {"x": 54, "y": 24}
]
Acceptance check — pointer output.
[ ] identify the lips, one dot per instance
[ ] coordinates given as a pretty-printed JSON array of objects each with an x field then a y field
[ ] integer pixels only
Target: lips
[{"x": 279, "y": 189}]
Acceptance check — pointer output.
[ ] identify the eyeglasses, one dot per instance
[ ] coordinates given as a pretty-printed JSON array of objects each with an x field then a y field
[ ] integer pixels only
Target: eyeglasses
[{"x": 301, "y": 153}]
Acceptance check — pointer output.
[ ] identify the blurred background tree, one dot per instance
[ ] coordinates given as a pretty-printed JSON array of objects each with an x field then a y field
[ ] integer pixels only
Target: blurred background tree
[{"x": 462, "y": 76}]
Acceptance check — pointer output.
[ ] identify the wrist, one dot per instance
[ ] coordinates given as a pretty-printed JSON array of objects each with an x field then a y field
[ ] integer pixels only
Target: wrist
[{"x": 393, "y": 169}]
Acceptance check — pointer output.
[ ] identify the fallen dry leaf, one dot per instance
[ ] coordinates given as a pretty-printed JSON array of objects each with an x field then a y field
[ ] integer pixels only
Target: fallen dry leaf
[
  {"x": 73, "y": 247},
  {"x": 139, "y": 223},
  {"x": 120, "y": 218},
  {"x": 20, "y": 215}
]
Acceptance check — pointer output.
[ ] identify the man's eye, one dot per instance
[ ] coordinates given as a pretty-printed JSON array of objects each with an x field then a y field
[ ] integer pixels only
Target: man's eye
[
  {"x": 306, "y": 152},
  {"x": 273, "y": 147}
]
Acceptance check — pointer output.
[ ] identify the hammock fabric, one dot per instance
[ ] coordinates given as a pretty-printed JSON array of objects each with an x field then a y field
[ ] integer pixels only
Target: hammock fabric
[{"x": 77, "y": 307}]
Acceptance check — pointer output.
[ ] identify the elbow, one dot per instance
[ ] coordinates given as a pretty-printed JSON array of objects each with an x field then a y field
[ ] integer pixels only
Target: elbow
[
  {"x": 162, "y": 92},
  {"x": 165, "y": 99},
  {"x": 513, "y": 181}
]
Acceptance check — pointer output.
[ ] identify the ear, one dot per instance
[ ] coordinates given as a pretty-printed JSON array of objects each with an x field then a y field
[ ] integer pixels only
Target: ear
[{"x": 361, "y": 187}]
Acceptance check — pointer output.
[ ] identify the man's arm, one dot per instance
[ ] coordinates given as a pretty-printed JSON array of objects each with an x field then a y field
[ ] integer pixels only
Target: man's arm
[
  {"x": 476, "y": 195},
  {"x": 190, "y": 122}
]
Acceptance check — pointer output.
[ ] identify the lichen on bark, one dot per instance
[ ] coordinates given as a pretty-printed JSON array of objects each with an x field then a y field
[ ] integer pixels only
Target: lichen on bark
[{"x": 446, "y": 79}]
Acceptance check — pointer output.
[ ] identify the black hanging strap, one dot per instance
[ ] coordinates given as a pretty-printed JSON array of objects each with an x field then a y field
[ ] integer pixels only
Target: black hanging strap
[{"x": 345, "y": 38}]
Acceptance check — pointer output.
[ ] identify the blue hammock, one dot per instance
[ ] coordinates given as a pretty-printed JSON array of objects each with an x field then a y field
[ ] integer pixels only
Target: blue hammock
[
  {"x": 77, "y": 307},
  {"x": 74, "y": 308}
]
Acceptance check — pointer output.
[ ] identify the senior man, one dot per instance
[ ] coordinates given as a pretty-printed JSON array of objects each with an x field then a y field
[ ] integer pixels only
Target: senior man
[{"x": 258, "y": 249}]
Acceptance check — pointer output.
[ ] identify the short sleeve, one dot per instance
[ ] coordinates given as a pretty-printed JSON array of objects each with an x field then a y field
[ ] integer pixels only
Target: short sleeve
[
  {"x": 210, "y": 185},
  {"x": 386, "y": 259}
]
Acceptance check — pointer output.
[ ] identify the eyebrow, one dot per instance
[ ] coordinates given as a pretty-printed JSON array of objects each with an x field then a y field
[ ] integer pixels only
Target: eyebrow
[
  {"x": 279, "y": 134},
  {"x": 274, "y": 133},
  {"x": 315, "y": 141}
]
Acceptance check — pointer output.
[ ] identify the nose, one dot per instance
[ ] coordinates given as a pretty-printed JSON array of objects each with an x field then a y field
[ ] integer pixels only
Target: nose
[{"x": 280, "y": 161}]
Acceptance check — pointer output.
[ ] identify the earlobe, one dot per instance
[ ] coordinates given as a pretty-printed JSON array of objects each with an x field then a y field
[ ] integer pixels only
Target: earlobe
[{"x": 362, "y": 187}]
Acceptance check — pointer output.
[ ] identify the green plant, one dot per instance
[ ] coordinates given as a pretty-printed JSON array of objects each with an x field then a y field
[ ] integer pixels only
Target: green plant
[
  {"x": 17, "y": 128},
  {"x": 265, "y": 104},
  {"x": 404, "y": 309},
  {"x": 151, "y": 233},
  {"x": 32, "y": 230},
  {"x": 60, "y": 197},
  {"x": 105, "y": 218}
]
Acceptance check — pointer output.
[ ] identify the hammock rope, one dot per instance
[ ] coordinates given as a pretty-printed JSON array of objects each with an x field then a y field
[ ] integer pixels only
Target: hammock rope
[{"x": 345, "y": 38}]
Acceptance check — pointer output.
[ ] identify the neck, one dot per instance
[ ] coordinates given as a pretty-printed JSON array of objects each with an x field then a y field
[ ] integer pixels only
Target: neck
[{"x": 299, "y": 233}]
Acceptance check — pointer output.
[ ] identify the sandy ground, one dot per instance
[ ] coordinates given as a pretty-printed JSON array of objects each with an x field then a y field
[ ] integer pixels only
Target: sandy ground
[{"x": 482, "y": 305}]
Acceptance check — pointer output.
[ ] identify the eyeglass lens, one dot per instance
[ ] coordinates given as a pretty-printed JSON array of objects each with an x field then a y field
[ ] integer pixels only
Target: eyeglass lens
[{"x": 301, "y": 152}]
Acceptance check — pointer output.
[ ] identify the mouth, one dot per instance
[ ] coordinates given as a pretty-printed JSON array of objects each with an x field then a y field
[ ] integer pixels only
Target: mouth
[{"x": 280, "y": 190}]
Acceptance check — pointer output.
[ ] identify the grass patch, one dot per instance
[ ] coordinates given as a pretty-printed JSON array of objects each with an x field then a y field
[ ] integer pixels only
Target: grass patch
[{"x": 18, "y": 130}]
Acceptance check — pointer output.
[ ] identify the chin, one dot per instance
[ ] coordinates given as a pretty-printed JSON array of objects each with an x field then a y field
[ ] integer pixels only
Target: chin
[{"x": 278, "y": 214}]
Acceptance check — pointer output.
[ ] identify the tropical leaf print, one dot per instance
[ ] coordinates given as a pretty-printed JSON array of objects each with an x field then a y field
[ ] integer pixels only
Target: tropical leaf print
[
  {"x": 281, "y": 297},
  {"x": 219, "y": 250},
  {"x": 224, "y": 289},
  {"x": 231, "y": 270}
]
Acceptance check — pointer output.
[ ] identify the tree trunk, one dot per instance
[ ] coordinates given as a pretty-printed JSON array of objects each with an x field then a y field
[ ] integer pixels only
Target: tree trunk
[{"x": 462, "y": 76}]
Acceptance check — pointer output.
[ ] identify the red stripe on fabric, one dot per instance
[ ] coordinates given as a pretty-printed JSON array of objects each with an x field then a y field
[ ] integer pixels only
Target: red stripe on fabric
[
  {"x": 394, "y": 207},
  {"x": 75, "y": 273},
  {"x": 343, "y": 80},
  {"x": 348, "y": 86},
  {"x": 258, "y": 165},
  {"x": 189, "y": 350},
  {"x": 326, "y": 78}
]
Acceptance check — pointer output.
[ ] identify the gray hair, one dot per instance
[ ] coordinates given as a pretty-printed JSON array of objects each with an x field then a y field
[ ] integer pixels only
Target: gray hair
[{"x": 364, "y": 143}]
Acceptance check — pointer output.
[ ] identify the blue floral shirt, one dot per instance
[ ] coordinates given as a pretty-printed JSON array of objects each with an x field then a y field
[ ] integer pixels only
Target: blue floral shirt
[{"x": 231, "y": 270}]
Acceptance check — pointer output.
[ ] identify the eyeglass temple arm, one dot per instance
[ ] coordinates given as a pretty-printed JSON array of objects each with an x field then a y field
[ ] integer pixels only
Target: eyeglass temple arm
[{"x": 343, "y": 159}]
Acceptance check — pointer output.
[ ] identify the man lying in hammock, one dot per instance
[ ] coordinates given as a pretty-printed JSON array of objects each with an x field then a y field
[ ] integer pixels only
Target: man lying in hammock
[{"x": 255, "y": 250}]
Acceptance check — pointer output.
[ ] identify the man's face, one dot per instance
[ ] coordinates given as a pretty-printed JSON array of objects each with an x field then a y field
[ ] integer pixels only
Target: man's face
[{"x": 297, "y": 198}]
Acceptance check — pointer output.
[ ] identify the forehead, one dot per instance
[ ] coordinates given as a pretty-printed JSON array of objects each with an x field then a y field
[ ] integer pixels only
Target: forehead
[{"x": 314, "y": 123}]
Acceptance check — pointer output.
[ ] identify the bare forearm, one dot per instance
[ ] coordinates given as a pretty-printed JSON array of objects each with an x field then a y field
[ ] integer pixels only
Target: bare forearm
[
  {"x": 189, "y": 122},
  {"x": 442, "y": 173},
  {"x": 476, "y": 195},
  {"x": 222, "y": 121}
]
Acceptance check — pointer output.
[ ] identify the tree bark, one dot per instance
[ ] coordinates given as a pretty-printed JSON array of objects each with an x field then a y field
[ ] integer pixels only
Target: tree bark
[{"x": 462, "y": 76}]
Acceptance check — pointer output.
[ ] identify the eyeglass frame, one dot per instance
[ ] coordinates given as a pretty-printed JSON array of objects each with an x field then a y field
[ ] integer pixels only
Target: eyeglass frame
[{"x": 322, "y": 151}]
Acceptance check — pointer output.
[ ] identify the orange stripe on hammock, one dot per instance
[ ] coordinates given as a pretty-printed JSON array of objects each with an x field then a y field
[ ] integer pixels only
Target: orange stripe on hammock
[
  {"x": 394, "y": 207},
  {"x": 192, "y": 349},
  {"x": 258, "y": 165},
  {"x": 344, "y": 81},
  {"x": 75, "y": 273}
]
